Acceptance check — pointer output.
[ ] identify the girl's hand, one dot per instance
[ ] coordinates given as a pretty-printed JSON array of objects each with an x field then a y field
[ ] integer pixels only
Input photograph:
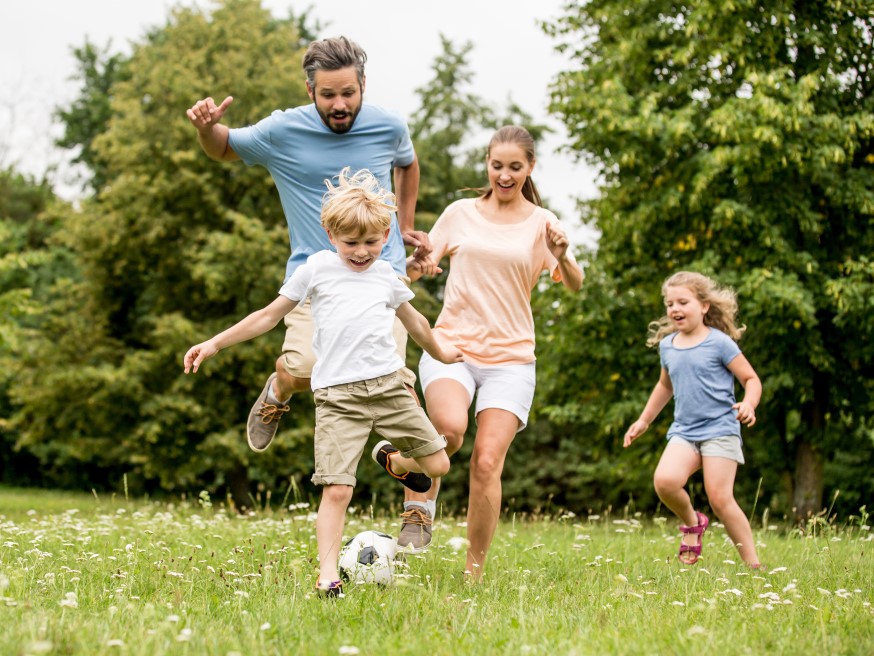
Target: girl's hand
[
  {"x": 197, "y": 354},
  {"x": 746, "y": 414},
  {"x": 636, "y": 429},
  {"x": 556, "y": 241}
]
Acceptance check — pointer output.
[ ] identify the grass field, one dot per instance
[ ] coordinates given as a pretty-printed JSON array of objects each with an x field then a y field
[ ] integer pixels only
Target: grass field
[{"x": 88, "y": 575}]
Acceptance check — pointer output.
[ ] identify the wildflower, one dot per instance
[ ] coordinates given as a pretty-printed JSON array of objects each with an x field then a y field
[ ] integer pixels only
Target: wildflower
[
  {"x": 349, "y": 649},
  {"x": 184, "y": 635},
  {"x": 265, "y": 626},
  {"x": 69, "y": 600},
  {"x": 115, "y": 642},
  {"x": 457, "y": 543}
]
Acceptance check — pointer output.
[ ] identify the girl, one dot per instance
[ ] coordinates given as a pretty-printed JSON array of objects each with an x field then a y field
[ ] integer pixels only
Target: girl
[
  {"x": 700, "y": 359},
  {"x": 498, "y": 245}
]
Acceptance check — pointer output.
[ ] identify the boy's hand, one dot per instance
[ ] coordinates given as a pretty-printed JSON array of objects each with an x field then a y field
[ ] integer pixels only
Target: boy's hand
[
  {"x": 634, "y": 431},
  {"x": 424, "y": 265},
  {"x": 746, "y": 414},
  {"x": 197, "y": 354},
  {"x": 451, "y": 355}
]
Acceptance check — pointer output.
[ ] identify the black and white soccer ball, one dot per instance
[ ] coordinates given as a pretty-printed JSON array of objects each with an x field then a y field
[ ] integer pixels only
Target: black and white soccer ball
[{"x": 369, "y": 558}]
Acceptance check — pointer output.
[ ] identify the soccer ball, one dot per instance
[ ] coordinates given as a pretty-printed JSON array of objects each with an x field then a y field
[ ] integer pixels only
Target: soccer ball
[{"x": 369, "y": 558}]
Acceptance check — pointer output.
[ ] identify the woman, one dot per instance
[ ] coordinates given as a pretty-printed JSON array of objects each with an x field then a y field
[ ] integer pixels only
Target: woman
[{"x": 498, "y": 246}]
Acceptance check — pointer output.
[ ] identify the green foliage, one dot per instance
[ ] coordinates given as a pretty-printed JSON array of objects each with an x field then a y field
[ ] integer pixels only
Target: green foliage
[
  {"x": 89, "y": 114},
  {"x": 173, "y": 248},
  {"x": 29, "y": 265},
  {"x": 736, "y": 140}
]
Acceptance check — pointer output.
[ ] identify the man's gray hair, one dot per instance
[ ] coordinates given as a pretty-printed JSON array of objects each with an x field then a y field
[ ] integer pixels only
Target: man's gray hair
[{"x": 332, "y": 55}]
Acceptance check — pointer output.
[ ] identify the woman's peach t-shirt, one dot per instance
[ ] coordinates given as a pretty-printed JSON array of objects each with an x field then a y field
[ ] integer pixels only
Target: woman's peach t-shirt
[{"x": 492, "y": 269}]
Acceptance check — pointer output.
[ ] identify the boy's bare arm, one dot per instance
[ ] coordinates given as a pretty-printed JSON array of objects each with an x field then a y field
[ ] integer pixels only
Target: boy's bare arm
[
  {"x": 420, "y": 330},
  {"x": 257, "y": 323}
]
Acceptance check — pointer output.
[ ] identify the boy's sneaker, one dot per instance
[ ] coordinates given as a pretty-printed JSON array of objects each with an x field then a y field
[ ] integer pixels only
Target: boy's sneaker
[
  {"x": 382, "y": 453},
  {"x": 264, "y": 419},
  {"x": 332, "y": 589},
  {"x": 415, "y": 535}
]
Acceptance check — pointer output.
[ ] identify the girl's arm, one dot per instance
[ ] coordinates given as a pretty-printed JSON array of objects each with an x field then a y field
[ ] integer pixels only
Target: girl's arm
[
  {"x": 257, "y": 323},
  {"x": 420, "y": 330},
  {"x": 744, "y": 372},
  {"x": 557, "y": 242},
  {"x": 658, "y": 399}
]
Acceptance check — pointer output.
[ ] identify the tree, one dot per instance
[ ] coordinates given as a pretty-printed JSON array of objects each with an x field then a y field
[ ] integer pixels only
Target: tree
[
  {"x": 173, "y": 248},
  {"x": 88, "y": 115},
  {"x": 736, "y": 139},
  {"x": 29, "y": 264}
]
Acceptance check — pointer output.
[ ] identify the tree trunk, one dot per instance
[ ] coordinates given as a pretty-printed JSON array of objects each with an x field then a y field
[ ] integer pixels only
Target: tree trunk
[
  {"x": 807, "y": 496},
  {"x": 238, "y": 483}
]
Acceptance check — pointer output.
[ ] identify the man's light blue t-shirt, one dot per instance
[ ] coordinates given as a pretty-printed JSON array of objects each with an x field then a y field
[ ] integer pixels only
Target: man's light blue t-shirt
[
  {"x": 703, "y": 386},
  {"x": 301, "y": 152}
]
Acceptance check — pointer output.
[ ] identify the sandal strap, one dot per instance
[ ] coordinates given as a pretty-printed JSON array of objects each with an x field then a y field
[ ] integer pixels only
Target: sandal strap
[{"x": 694, "y": 548}]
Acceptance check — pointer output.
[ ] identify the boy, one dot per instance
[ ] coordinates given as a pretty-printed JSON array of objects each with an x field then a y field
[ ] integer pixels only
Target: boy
[{"x": 356, "y": 379}]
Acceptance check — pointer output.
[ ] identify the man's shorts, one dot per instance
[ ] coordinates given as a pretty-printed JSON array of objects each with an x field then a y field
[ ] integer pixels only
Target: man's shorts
[
  {"x": 504, "y": 387},
  {"x": 346, "y": 414},
  {"x": 297, "y": 350},
  {"x": 720, "y": 447}
]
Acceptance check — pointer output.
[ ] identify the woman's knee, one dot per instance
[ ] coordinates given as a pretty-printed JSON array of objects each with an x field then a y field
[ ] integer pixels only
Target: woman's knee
[{"x": 487, "y": 465}]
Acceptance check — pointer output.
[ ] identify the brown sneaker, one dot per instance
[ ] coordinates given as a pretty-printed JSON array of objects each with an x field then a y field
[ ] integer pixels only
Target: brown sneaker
[
  {"x": 264, "y": 420},
  {"x": 415, "y": 535}
]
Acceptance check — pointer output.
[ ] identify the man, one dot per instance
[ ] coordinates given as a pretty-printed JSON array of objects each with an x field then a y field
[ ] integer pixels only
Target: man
[{"x": 302, "y": 147}]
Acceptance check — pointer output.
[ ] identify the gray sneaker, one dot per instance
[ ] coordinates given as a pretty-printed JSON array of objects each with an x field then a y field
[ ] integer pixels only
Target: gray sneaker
[
  {"x": 264, "y": 420},
  {"x": 415, "y": 535}
]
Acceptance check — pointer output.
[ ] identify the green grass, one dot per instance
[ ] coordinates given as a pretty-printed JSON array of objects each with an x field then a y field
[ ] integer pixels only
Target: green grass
[{"x": 86, "y": 575}]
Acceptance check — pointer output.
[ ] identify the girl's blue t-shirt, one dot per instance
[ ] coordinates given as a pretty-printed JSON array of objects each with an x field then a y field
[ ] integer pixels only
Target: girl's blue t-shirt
[
  {"x": 301, "y": 152},
  {"x": 703, "y": 386}
]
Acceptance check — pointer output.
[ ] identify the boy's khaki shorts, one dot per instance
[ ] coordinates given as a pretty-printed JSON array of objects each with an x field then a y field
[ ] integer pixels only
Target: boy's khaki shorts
[
  {"x": 347, "y": 413},
  {"x": 297, "y": 350}
]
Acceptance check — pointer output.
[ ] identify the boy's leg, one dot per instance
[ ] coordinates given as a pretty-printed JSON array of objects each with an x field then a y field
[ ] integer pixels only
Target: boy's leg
[
  {"x": 719, "y": 475},
  {"x": 330, "y": 521},
  {"x": 293, "y": 370}
]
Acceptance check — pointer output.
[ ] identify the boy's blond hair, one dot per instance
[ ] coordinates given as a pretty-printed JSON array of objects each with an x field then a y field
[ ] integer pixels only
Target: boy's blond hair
[{"x": 357, "y": 205}]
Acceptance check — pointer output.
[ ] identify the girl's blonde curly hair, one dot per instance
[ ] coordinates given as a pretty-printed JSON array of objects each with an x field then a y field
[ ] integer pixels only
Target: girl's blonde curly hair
[
  {"x": 722, "y": 314},
  {"x": 357, "y": 204}
]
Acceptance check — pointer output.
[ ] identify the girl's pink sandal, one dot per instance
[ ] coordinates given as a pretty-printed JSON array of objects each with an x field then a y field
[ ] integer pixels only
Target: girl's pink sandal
[{"x": 695, "y": 549}]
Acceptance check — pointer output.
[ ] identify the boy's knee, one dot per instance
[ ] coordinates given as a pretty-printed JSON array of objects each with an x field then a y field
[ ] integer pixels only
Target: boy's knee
[
  {"x": 337, "y": 494},
  {"x": 436, "y": 466},
  {"x": 453, "y": 442}
]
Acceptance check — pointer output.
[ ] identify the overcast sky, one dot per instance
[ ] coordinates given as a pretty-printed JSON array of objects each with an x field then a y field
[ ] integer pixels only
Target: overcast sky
[{"x": 511, "y": 58}]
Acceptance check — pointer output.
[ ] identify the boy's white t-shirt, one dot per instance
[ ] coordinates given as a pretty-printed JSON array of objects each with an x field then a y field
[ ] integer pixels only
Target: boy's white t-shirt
[{"x": 353, "y": 317}]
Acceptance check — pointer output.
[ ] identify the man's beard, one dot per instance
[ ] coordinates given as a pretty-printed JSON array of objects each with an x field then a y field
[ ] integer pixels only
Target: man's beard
[{"x": 339, "y": 129}]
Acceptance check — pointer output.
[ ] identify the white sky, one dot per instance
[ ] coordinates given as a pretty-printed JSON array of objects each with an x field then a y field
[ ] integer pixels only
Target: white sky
[{"x": 511, "y": 58}]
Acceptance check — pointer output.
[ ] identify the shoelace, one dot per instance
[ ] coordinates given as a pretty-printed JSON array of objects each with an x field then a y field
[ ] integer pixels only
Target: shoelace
[
  {"x": 416, "y": 516},
  {"x": 270, "y": 413}
]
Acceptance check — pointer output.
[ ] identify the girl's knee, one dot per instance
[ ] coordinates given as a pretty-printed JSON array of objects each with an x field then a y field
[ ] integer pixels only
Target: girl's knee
[{"x": 666, "y": 483}]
